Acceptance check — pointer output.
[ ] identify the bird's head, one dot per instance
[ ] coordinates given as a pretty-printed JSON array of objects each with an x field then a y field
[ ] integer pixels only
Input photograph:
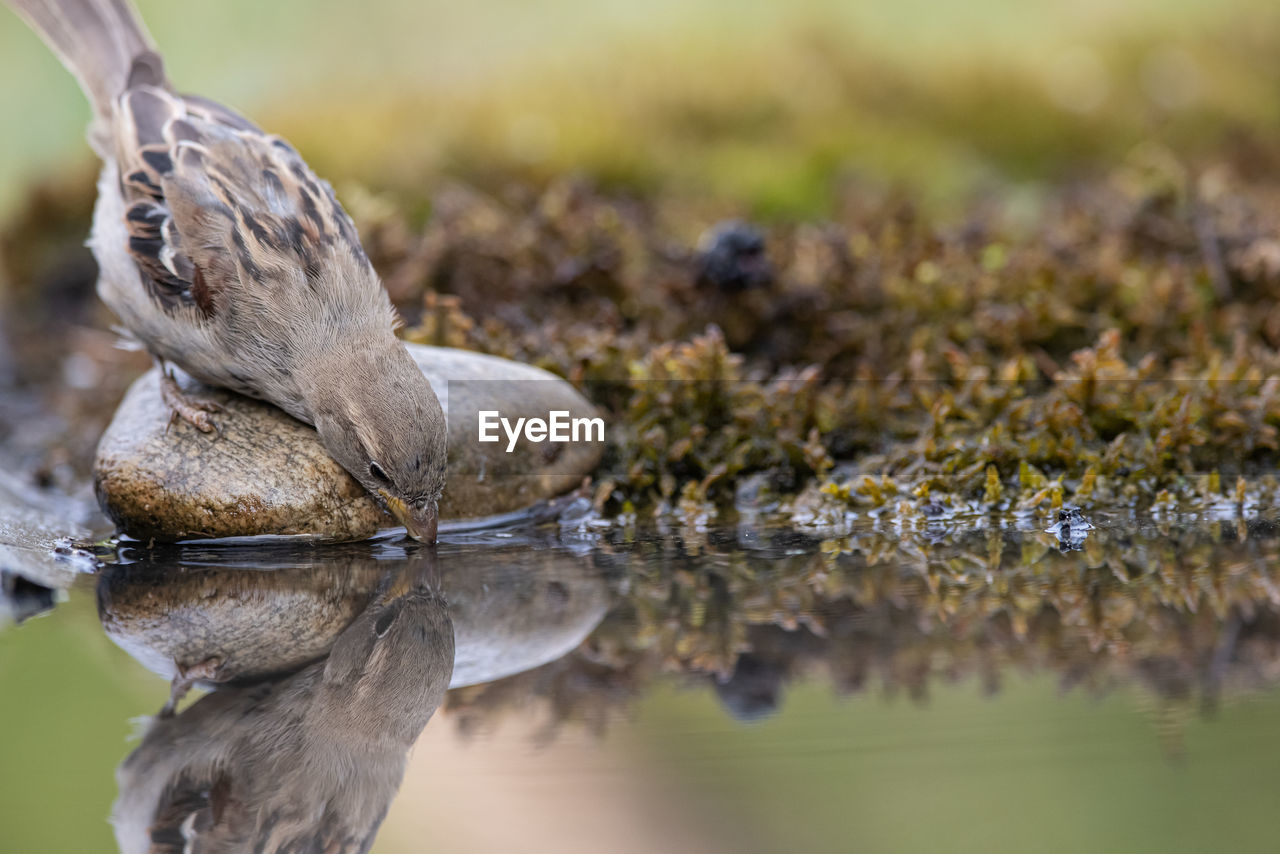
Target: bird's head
[
  {"x": 380, "y": 419},
  {"x": 388, "y": 670}
]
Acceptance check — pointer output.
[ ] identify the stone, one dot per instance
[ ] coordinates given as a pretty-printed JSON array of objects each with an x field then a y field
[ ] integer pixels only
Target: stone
[{"x": 268, "y": 473}]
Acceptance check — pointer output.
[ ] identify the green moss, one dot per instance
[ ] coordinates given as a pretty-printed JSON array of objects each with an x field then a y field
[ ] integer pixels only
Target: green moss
[{"x": 1090, "y": 359}]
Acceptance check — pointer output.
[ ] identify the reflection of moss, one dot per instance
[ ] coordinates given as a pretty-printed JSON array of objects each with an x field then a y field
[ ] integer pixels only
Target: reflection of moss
[{"x": 1188, "y": 615}]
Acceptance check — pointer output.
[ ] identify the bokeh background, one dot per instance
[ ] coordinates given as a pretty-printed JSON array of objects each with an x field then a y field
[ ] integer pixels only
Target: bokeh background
[
  {"x": 766, "y": 104},
  {"x": 766, "y": 110}
]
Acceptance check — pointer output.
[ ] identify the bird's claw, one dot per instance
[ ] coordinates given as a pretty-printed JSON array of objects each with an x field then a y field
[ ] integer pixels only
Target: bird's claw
[
  {"x": 193, "y": 410},
  {"x": 185, "y": 678}
]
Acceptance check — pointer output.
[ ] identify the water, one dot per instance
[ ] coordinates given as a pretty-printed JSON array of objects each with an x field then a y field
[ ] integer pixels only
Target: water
[{"x": 975, "y": 683}]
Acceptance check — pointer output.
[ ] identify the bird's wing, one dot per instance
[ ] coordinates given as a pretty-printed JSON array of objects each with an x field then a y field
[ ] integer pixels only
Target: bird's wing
[
  {"x": 189, "y": 807},
  {"x": 213, "y": 203}
]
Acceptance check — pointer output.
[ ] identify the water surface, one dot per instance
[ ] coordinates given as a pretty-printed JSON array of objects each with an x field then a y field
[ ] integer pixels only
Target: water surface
[{"x": 975, "y": 683}]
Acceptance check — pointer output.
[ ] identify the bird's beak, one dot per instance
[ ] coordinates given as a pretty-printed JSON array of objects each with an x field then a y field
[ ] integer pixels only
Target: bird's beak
[{"x": 420, "y": 522}]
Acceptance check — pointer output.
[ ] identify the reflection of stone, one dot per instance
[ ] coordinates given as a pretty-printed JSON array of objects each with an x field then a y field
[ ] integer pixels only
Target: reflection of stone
[
  {"x": 37, "y": 551},
  {"x": 173, "y": 616},
  {"x": 1071, "y": 529},
  {"x": 516, "y": 610},
  {"x": 21, "y": 599},
  {"x": 513, "y": 606},
  {"x": 269, "y": 474},
  {"x": 754, "y": 691},
  {"x": 308, "y": 762}
]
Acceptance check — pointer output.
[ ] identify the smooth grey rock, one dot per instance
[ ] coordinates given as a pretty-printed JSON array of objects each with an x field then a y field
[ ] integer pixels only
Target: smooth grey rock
[{"x": 268, "y": 473}]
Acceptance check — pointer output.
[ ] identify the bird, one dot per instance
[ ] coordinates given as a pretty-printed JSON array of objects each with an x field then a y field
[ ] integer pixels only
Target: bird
[
  {"x": 223, "y": 254},
  {"x": 304, "y": 762}
]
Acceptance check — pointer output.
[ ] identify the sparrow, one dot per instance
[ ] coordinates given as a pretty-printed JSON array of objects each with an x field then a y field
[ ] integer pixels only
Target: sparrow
[
  {"x": 307, "y": 762},
  {"x": 223, "y": 254}
]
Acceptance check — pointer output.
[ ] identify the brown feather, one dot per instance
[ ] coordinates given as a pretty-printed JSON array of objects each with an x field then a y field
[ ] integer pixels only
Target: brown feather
[{"x": 226, "y": 255}]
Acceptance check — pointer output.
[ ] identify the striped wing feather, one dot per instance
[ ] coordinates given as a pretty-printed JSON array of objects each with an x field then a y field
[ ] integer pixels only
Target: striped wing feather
[{"x": 212, "y": 202}]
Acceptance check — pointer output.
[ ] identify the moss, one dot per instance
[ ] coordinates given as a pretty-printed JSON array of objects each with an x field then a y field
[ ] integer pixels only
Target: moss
[
  {"x": 1119, "y": 347},
  {"x": 1089, "y": 359}
]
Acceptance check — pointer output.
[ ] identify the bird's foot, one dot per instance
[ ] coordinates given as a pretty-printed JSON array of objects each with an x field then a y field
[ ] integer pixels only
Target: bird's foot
[
  {"x": 185, "y": 679},
  {"x": 192, "y": 410}
]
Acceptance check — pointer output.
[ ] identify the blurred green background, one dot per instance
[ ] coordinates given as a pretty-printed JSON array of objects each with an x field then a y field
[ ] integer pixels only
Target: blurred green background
[{"x": 767, "y": 105}]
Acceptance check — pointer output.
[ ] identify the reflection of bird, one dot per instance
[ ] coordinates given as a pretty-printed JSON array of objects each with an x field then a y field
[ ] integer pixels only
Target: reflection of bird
[
  {"x": 306, "y": 763},
  {"x": 225, "y": 255}
]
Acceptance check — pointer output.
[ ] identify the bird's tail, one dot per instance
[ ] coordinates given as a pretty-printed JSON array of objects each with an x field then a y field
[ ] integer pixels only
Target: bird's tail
[{"x": 102, "y": 42}]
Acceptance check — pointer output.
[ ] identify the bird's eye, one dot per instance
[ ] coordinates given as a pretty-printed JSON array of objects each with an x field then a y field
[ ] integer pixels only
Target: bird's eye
[
  {"x": 383, "y": 624},
  {"x": 376, "y": 472}
]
